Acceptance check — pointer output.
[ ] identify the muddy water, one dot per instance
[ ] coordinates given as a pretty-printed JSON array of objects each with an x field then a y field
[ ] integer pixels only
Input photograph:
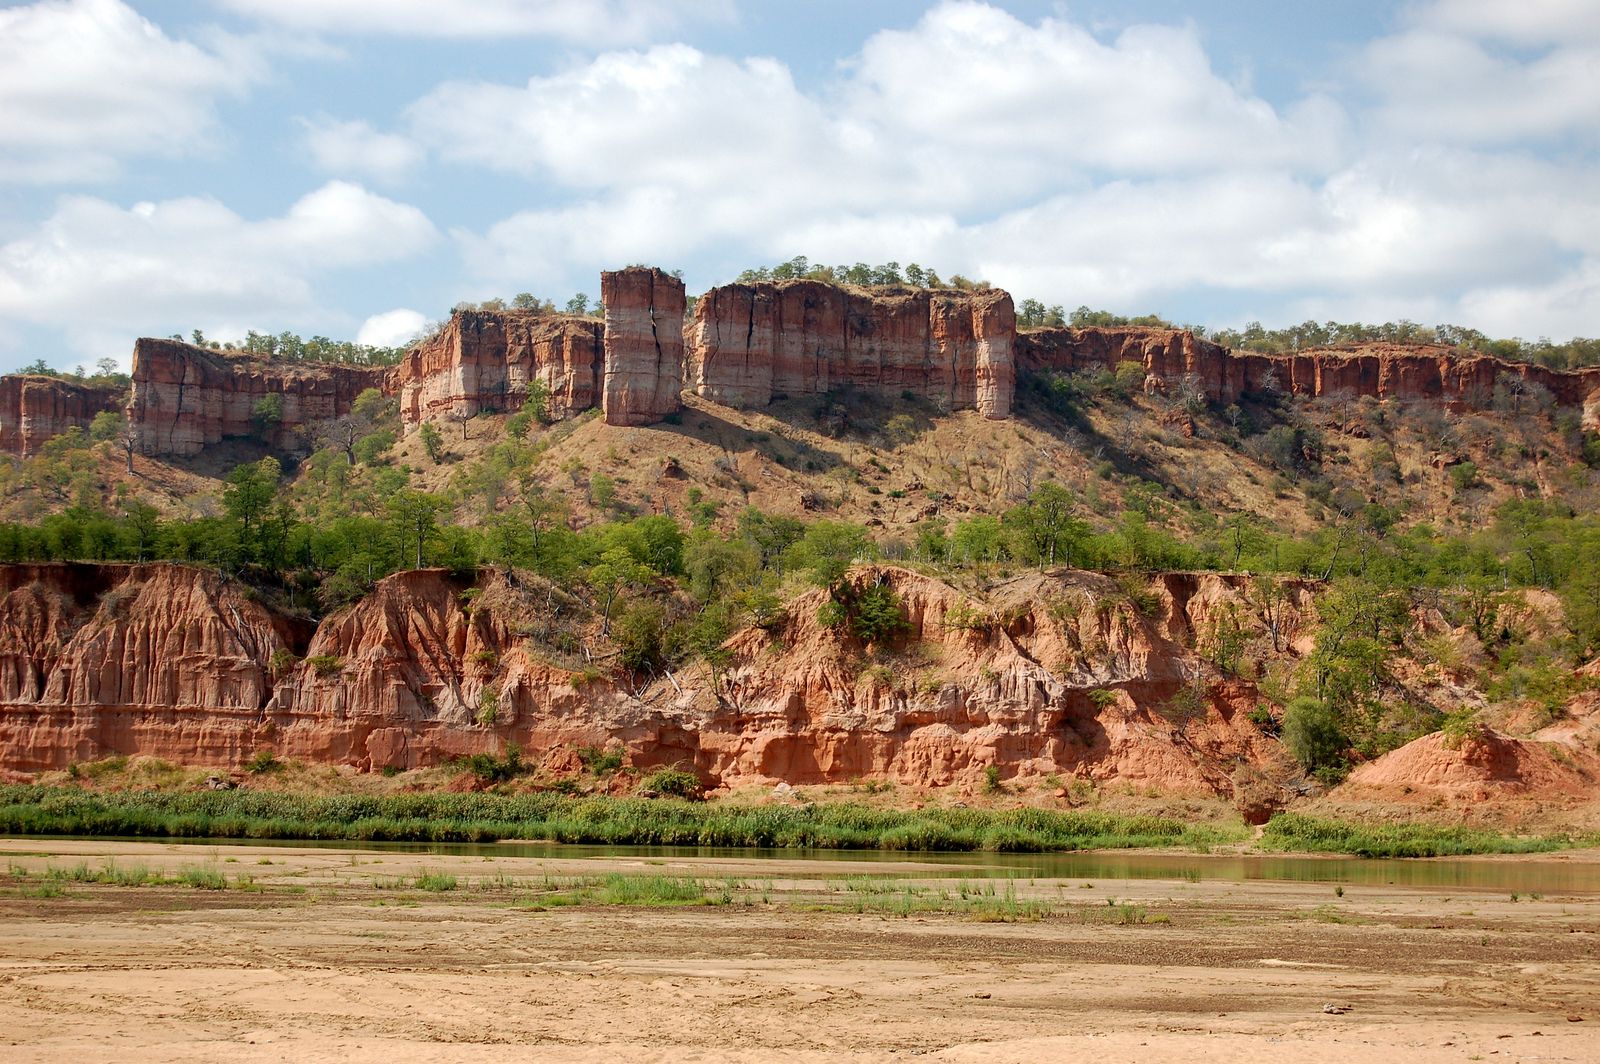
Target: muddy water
[{"x": 1543, "y": 873}]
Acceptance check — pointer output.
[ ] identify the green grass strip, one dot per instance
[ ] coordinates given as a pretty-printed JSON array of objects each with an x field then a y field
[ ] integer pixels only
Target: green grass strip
[{"x": 39, "y": 810}]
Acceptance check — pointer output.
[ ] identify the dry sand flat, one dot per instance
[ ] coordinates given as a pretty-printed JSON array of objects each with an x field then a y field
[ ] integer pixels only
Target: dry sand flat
[{"x": 361, "y": 966}]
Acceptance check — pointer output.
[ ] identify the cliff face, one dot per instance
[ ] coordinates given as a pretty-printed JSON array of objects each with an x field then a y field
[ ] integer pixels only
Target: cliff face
[
  {"x": 157, "y": 659},
  {"x": 176, "y": 662},
  {"x": 185, "y": 397},
  {"x": 1383, "y": 371},
  {"x": 35, "y": 408},
  {"x": 483, "y": 361},
  {"x": 644, "y": 345},
  {"x": 751, "y": 343}
]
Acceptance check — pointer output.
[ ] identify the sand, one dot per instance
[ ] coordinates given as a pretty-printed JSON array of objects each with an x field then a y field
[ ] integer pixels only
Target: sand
[{"x": 337, "y": 956}]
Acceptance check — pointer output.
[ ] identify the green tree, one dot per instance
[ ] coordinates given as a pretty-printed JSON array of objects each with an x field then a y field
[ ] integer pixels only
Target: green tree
[
  {"x": 267, "y": 415},
  {"x": 827, "y": 549},
  {"x": 611, "y": 577},
  {"x": 1313, "y": 735},
  {"x": 1043, "y": 529},
  {"x": 247, "y": 497},
  {"x": 415, "y": 518},
  {"x": 107, "y": 425},
  {"x": 432, "y": 441}
]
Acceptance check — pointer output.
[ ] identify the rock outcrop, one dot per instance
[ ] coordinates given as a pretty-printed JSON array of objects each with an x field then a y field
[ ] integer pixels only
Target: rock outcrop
[
  {"x": 185, "y": 398},
  {"x": 1170, "y": 357},
  {"x": 173, "y": 661},
  {"x": 751, "y": 343},
  {"x": 34, "y": 408},
  {"x": 643, "y": 345},
  {"x": 484, "y": 361},
  {"x": 155, "y": 659}
]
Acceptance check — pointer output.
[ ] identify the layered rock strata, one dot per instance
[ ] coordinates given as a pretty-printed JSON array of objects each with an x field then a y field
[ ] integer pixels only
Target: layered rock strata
[
  {"x": 176, "y": 662},
  {"x": 34, "y": 408},
  {"x": 643, "y": 345},
  {"x": 752, "y": 343},
  {"x": 1383, "y": 371},
  {"x": 484, "y": 362},
  {"x": 185, "y": 398},
  {"x": 154, "y": 659}
]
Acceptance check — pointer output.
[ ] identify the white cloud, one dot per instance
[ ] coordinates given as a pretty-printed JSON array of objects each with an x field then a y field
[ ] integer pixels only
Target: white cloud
[
  {"x": 86, "y": 83},
  {"x": 391, "y": 328},
  {"x": 575, "y": 20},
  {"x": 104, "y": 273},
  {"x": 1524, "y": 22},
  {"x": 1119, "y": 171},
  {"x": 1442, "y": 86},
  {"x": 354, "y": 147}
]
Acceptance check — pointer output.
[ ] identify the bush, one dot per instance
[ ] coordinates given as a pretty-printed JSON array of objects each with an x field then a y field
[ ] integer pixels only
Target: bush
[
  {"x": 263, "y": 761},
  {"x": 674, "y": 782},
  {"x": 488, "y": 707},
  {"x": 876, "y": 615},
  {"x": 324, "y": 664},
  {"x": 598, "y": 761},
  {"x": 493, "y": 769},
  {"x": 1313, "y": 733}
]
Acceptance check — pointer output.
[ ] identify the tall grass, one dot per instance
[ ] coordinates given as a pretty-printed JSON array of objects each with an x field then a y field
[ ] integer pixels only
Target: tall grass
[
  {"x": 1292, "y": 831},
  {"x": 40, "y": 810}
]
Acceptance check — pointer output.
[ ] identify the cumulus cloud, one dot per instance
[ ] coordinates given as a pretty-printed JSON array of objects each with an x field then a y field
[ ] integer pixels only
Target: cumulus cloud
[
  {"x": 1119, "y": 171},
  {"x": 354, "y": 147},
  {"x": 87, "y": 83},
  {"x": 113, "y": 272},
  {"x": 576, "y": 20},
  {"x": 1527, "y": 22},
  {"x": 392, "y": 328},
  {"x": 1444, "y": 86}
]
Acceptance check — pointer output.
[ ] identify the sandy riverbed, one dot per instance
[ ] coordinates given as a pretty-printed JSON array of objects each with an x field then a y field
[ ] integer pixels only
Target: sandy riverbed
[{"x": 338, "y": 956}]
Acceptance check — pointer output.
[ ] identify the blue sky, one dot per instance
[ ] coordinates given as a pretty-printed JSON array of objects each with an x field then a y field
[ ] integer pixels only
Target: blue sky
[{"x": 355, "y": 167}]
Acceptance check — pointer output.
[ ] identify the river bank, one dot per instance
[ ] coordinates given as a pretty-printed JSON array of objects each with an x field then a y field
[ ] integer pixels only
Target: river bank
[{"x": 322, "y": 954}]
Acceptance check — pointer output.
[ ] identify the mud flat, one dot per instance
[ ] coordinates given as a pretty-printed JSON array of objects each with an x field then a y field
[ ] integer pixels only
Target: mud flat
[{"x": 136, "y": 951}]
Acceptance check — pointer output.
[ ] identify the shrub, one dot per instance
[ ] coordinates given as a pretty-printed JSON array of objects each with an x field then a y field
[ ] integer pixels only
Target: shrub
[
  {"x": 675, "y": 782},
  {"x": 1103, "y": 697},
  {"x": 324, "y": 664},
  {"x": 598, "y": 761},
  {"x": 967, "y": 618},
  {"x": 1313, "y": 733},
  {"x": 263, "y": 761},
  {"x": 877, "y": 615},
  {"x": 488, "y": 707}
]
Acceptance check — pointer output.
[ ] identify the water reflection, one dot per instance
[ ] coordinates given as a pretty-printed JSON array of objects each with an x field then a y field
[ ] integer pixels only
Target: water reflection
[{"x": 1542, "y": 874}]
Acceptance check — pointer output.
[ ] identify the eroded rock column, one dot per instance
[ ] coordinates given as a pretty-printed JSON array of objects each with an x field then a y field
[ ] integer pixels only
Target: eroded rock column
[{"x": 643, "y": 345}]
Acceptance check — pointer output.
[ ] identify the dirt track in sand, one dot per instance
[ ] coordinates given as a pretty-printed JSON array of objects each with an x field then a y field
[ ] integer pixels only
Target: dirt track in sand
[{"x": 337, "y": 956}]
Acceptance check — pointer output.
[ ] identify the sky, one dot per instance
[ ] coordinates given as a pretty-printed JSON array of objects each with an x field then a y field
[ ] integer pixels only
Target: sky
[{"x": 354, "y": 168}]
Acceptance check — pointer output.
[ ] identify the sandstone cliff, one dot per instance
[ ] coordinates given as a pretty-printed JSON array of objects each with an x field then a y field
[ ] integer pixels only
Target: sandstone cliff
[
  {"x": 157, "y": 659},
  {"x": 643, "y": 345},
  {"x": 177, "y": 662},
  {"x": 483, "y": 362},
  {"x": 751, "y": 343},
  {"x": 1383, "y": 371},
  {"x": 185, "y": 398},
  {"x": 34, "y": 408}
]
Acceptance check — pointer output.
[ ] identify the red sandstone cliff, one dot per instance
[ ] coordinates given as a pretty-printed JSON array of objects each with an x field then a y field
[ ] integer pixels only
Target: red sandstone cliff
[
  {"x": 750, "y": 343},
  {"x": 643, "y": 345},
  {"x": 177, "y": 662},
  {"x": 34, "y": 408},
  {"x": 483, "y": 361},
  {"x": 1383, "y": 371},
  {"x": 185, "y": 398},
  {"x": 156, "y": 659}
]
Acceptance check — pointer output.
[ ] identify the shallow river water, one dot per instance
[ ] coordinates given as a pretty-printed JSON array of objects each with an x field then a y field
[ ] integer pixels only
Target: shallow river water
[{"x": 1540, "y": 873}]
